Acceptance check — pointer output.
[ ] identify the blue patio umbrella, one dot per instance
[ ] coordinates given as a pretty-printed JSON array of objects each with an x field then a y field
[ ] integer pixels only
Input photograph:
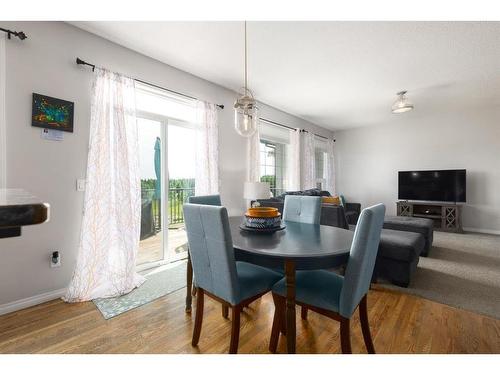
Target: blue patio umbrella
[{"x": 158, "y": 168}]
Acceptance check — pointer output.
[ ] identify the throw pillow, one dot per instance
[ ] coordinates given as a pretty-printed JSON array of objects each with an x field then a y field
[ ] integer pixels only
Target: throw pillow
[{"x": 331, "y": 200}]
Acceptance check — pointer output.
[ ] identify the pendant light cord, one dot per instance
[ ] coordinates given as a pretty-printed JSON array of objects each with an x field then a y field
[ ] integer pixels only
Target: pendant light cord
[{"x": 246, "y": 83}]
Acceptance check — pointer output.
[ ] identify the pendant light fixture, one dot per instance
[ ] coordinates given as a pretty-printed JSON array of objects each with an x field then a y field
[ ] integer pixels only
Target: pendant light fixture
[
  {"x": 402, "y": 104},
  {"x": 245, "y": 107}
]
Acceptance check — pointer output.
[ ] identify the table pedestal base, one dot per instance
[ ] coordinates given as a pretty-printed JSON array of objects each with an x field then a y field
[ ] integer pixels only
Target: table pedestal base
[{"x": 290, "y": 306}]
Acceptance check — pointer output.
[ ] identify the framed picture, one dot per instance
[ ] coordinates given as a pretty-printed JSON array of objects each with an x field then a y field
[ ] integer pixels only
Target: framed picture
[{"x": 52, "y": 113}]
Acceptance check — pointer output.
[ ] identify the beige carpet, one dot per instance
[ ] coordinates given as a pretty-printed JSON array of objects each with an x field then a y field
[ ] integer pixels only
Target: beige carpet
[{"x": 462, "y": 270}]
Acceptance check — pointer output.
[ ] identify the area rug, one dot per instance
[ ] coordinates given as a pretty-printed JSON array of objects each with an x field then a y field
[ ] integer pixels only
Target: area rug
[
  {"x": 462, "y": 270},
  {"x": 158, "y": 283}
]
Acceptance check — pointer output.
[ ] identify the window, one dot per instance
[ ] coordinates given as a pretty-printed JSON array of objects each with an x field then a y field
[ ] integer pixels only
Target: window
[
  {"x": 272, "y": 166},
  {"x": 274, "y": 144},
  {"x": 320, "y": 163}
]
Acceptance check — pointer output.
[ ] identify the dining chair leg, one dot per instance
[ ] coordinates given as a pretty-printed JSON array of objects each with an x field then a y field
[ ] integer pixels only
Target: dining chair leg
[
  {"x": 365, "y": 326},
  {"x": 235, "y": 329},
  {"x": 189, "y": 284},
  {"x": 303, "y": 313},
  {"x": 198, "y": 320},
  {"x": 278, "y": 322},
  {"x": 345, "y": 336},
  {"x": 225, "y": 311}
]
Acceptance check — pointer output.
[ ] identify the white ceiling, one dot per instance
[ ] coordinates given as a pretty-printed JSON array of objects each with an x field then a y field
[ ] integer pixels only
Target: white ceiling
[{"x": 335, "y": 74}]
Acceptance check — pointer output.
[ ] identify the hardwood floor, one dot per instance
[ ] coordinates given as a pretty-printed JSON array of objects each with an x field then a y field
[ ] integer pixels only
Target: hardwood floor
[{"x": 400, "y": 323}]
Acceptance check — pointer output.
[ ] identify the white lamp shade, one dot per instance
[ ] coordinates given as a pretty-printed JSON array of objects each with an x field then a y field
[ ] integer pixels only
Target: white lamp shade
[{"x": 257, "y": 190}]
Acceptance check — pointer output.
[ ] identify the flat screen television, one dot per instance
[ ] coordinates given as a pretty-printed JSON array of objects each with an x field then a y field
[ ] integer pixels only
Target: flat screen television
[{"x": 441, "y": 186}]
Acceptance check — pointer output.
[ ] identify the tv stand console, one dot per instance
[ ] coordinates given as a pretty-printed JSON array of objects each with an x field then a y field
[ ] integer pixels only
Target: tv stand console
[{"x": 446, "y": 216}]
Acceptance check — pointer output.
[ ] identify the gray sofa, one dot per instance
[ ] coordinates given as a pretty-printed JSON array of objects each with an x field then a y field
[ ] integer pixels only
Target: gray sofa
[{"x": 331, "y": 214}]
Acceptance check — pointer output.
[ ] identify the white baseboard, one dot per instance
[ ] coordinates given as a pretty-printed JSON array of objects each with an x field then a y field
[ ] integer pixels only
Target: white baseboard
[
  {"x": 479, "y": 230},
  {"x": 31, "y": 301}
]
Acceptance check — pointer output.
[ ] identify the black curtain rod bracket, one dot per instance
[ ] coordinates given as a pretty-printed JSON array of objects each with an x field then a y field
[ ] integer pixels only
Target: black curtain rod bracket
[
  {"x": 79, "y": 61},
  {"x": 21, "y": 35}
]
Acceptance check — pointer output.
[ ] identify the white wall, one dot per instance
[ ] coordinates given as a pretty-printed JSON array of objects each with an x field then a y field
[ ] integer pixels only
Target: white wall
[
  {"x": 368, "y": 159},
  {"x": 45, "y": 63}
]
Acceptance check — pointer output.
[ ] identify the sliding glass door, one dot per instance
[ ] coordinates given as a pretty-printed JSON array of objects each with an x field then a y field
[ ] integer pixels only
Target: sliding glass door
[
  {"x": 167, "y": 164},
  {"x": 181, "y": 185},
  {"x": 151, "y": 245},
  {"x": 164, "y": 190}
]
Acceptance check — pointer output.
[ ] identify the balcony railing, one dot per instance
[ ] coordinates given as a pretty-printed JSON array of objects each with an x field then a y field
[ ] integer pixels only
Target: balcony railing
[
  {"x": 176, "y": 198},
  {"x": 276, "y": 192},
  {"x": 151, "y": 209}
]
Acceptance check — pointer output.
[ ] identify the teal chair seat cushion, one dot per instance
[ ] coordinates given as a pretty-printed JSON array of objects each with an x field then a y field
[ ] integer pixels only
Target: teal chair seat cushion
[
  {"x": 317, "y": 288},
  {"x": 254, "y": 279}
]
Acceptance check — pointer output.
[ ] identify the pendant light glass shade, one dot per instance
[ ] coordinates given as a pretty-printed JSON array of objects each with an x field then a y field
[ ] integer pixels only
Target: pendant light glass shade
[
  {"x": 246, "y": 114},
  {"x": 402, "y": 104}
]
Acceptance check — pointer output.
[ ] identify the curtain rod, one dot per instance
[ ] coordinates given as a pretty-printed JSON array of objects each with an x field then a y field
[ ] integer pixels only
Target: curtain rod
[
  {"x": 81, "y": 62},
  {"x": 317, "y": 135},
  {"x": 289, "y": 127},
  {"x": 277, "y": 124}
]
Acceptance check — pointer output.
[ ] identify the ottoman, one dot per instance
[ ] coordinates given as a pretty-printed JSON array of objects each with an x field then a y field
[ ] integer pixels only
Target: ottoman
[
  {"x": 412, "y": 224},
  {"x": 398, "y": 255}
]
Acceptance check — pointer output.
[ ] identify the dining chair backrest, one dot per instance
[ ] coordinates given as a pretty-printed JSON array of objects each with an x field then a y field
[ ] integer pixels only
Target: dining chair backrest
[
  {"x": 210, "y": 200},
  {"x": 362, "y": 256},
  {"x": 211, "y": 250},
  {"x": 302, "y": 209}
]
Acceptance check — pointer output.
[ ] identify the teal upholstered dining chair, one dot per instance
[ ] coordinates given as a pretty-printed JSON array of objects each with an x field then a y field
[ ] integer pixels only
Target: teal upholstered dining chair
[
  {"x": 209, "y": 200},
  {"x": 217, "y": 274},
  {"x": 302, "y": 209},
  {"x": 333, "y": 295}
]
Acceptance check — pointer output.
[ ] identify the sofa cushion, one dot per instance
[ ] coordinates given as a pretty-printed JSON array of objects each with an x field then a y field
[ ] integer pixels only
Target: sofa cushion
[
  {"x": 333, "y": 215},
  {"x": 309, "y": 192},
  {"x": 399, "y": 245}
]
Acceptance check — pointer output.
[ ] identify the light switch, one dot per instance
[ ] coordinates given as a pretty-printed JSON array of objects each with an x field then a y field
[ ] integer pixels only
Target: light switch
[{"x": 80, "y": 184}]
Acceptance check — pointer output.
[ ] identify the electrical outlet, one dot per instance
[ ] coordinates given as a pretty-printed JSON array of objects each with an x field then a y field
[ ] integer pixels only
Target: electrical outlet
[
  {"x": 80, "y": 184},
  {"x": 55, "y": 259}
]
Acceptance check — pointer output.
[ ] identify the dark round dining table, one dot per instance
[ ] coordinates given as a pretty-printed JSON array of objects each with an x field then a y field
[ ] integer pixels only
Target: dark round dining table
[{"x": 297, "y": 247}]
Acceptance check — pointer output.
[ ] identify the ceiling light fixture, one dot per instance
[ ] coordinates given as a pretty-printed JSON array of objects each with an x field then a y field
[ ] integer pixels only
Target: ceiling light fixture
[
  {"x": 402, "y": 104},
  {"x": 245, "y": 107}
]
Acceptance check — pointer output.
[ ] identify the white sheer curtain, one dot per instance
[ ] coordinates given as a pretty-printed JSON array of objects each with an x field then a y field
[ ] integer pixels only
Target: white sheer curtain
[
  {"x": 253, "y": 157},
  {"x": 207, "y": 150},
  {"x": 3, "y": 124},
  {"x": 330, "y": 168},
  {"x": 308, "y": 161},
  {"x": 109, "y": 237},
  {"x": 294, "y": 161}
]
